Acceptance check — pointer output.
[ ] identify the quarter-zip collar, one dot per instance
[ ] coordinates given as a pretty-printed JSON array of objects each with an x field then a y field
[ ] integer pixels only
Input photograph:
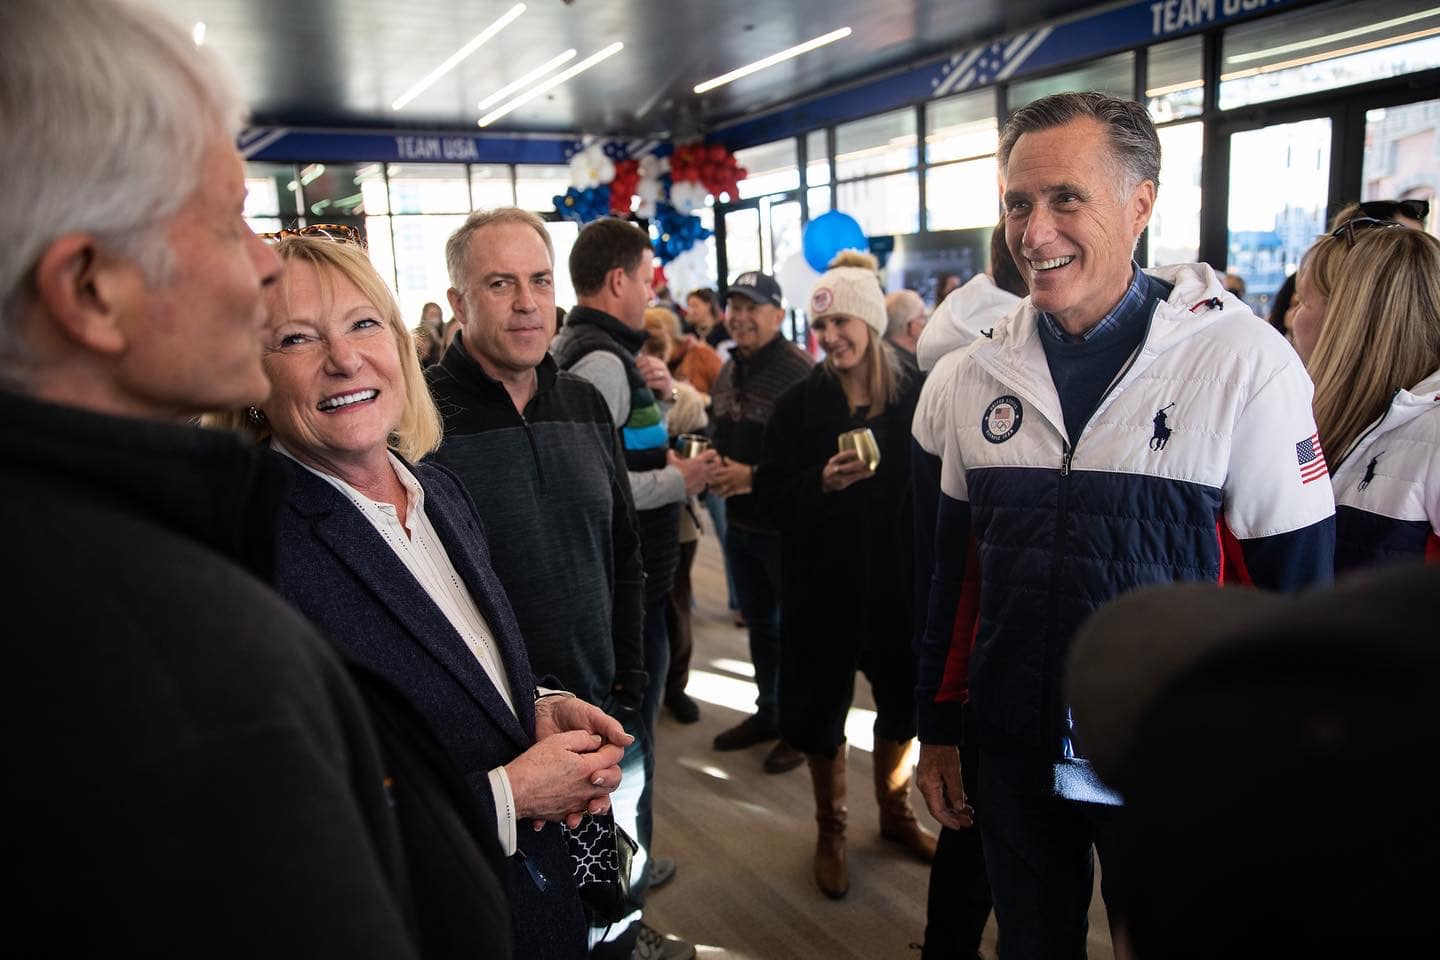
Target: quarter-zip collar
[{"x": 1014, "y": 355}]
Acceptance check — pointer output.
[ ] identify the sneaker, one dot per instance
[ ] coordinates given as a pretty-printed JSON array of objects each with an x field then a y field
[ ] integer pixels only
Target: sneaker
[
  {"x": 748, "y": 732},
  {"x": 783, "y": 757},
  {"x": 649, "y": 945},
  {"x": 662, "y": 871},
  {"x": 682, "y": 708}
]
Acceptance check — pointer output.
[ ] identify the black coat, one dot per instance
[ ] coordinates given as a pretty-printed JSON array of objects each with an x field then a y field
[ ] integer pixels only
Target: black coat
[
  {"x": 188, "y": 770},
  {"x": 846, "y": 557},
  {"x": 335, "y": 567}
]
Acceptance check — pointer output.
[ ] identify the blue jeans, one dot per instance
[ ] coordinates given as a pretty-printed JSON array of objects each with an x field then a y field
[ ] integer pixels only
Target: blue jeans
[
  {"x": 755, "y": 563},
  {"x": 1038, "y": 855},
  {"x": 716, "y": 506}
]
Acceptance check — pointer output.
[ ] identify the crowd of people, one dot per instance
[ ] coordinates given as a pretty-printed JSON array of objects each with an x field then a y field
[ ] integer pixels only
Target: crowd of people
[{"x": 363, "y": 633}]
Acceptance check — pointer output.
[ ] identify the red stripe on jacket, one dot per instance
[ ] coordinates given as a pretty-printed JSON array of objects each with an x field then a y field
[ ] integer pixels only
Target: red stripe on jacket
[
  {"x": 1232, "y": 557},
  {"x": 955, "y": 683}
]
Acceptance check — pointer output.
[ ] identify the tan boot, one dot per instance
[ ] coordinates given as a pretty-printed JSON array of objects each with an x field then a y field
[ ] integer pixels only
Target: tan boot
[
  {"x": 893, "y": 774},
  {"x": 832, "y": 874}
]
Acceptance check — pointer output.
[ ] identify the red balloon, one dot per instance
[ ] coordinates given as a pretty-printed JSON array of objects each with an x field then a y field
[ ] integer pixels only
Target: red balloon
[
  {"x": 717, "y": 152},
  {"x": 741, "y": 173}
]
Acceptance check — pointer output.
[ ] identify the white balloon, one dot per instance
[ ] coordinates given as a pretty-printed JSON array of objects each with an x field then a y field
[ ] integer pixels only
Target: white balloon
[{"x": 797, "y": 280}]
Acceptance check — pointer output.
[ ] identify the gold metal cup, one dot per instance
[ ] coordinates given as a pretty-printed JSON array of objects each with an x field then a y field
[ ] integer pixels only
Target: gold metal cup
[
  {"x": 691, "y": 445},
  {"x": 862, "y": 441}
]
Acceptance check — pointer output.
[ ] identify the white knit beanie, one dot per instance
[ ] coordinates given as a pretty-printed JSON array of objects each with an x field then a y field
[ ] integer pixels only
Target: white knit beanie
[{"x": 851, "y": 287}]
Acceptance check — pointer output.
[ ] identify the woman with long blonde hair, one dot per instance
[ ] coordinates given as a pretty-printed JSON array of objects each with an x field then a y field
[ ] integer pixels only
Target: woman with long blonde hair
[{"x": 1376, "y": 368}]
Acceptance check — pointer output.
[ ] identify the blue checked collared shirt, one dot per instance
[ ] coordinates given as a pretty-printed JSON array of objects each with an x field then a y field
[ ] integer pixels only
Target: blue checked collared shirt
[{"x": 1133, "y": 300}]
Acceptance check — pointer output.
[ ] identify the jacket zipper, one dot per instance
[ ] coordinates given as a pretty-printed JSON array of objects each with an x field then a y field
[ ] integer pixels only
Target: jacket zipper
[
  {"x": 534, "y": 452},
  {"x": 1062, "y": 507}
]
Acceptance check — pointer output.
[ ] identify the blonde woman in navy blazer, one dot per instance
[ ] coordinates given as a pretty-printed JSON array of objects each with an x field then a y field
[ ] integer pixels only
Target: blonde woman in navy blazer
[{"x": 389, "y": 557}]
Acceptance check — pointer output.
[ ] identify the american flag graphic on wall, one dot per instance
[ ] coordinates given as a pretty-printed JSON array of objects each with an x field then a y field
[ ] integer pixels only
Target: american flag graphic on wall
[{"x": 1311, "y": 457}]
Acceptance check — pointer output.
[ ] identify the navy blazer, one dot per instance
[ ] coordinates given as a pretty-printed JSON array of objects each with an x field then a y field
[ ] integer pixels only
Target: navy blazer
[{"x": 332, "y": 564}]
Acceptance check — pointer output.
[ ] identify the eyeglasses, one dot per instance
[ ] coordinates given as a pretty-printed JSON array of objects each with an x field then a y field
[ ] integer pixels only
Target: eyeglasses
[
  {"x": 338, "y": 232},
  {"x": 1349, "y": 228},
  {"x": 1416, "y": 210}
]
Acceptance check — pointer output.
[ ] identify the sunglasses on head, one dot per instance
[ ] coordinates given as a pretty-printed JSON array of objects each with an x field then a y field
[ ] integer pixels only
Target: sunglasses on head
[
  {"x": 338, "y": 232},
  {"x": 1349, "y": 228},
  {"x": 1416, "y": 210}
]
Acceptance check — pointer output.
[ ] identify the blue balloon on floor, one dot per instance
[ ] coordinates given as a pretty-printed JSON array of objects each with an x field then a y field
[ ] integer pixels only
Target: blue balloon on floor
[{"x": 827, "y": 235}]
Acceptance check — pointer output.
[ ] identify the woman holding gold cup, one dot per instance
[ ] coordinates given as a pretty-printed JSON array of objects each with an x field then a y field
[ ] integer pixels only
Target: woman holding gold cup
[{"x": 836, "y": 477}]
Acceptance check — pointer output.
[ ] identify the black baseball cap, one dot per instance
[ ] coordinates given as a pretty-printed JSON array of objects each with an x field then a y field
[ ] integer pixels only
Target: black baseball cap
[{"x": 757, "y": 287}]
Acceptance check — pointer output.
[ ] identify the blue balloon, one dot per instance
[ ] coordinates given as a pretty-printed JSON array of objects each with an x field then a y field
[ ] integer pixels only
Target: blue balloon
[
  {"x": 677, "y": 232},
  {"x": 827, "y": 235},
  {"x": 582, "y": 206}
]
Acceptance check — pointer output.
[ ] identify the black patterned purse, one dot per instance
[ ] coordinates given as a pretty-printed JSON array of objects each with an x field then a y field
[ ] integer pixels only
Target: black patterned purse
[{"x": 602, "y": 854}]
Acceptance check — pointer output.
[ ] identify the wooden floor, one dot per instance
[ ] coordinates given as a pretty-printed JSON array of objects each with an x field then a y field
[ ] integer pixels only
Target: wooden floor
[{"x": 744, "y": 839}]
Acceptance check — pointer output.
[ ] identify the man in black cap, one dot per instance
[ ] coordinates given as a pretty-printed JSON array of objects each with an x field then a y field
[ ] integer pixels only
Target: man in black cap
[{"x": 762, "y": 366}]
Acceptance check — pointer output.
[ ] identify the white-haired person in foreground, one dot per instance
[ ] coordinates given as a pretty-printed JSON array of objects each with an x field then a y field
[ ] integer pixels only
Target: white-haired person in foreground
[{"x": 190, "y": 769}]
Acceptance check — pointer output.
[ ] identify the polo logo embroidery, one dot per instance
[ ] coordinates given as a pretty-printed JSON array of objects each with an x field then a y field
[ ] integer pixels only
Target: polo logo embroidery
[
  {"x": 988, "y": 334},
  {"x": 1370, "y": 470},
  {"x": 1162, "y": 429},
  {"x": 1002, "y": 418},
  {"x": 820, "y": 300}
]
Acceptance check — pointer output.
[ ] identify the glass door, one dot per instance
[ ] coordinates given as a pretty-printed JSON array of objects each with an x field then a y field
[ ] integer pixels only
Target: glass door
[
  {"x": 1279, "y": 189},
  {"x": 1402, "y": 156}
]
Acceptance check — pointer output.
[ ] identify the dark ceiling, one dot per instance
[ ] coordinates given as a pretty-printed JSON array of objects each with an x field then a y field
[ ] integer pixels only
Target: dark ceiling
[{"x": 340, "y": 63}]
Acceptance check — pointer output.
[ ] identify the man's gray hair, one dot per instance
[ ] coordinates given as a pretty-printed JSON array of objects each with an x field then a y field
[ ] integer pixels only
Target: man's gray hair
[
  {"x": 1134, "y": 144},
  {"x": 459, "y": 243},
  {"x": 901, "y": 307},
  {"x": 107, "y": 109}
]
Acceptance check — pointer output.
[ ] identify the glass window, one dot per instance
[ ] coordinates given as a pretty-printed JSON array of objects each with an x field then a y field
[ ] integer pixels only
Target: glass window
[
  {"x": 265, "y": 224},
  {"x": 883, "y": 205},
  {"x": 817, "y": 159},
  {"x": 381, "y": 247},
  {"x": 1325, "y": 47},
  {"x": 785, "y": 233},
  {"x": 1279, "y": 188},
  {"x": 1175, "y": 224},
  {"x": 962, "y": 127},
  {"x": 959, "y": 195},
  {"x": 374, "y": 194},
  {"x": 419, "y": 257},
  {"x": 562, "y": 235},
  {"x": 742, "y": 241},
  {"x": 1174, "y": 83},
  {"x": 428, "y": 188},
  {"x": 818, "y": 199},
  {"x": 536, "y": 187},
  {"x": 268, "y": 192},
  {"x": 336, "y": 190},
  {"x": 1402, "y": 156},
  {"x": 1113, "y": 75},
  {"x": 771, "y": 168},
  {"x": 876, "y": 144},
  {"x": 490, "y": 187}
]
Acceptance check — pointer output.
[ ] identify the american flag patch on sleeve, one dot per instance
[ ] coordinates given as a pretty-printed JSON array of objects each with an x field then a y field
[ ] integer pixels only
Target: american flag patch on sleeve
[{"x": 1311, "y": 457}]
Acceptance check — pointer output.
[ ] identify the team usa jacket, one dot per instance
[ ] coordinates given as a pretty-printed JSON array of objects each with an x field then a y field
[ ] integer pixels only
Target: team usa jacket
[
  {"x": 1200, "y": 463},
  {"x": 1387, "y": 487}
]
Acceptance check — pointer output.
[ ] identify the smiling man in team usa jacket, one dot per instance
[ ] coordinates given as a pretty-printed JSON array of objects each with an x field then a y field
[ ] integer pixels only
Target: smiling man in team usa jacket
[{"x": 1117, "y": 429}]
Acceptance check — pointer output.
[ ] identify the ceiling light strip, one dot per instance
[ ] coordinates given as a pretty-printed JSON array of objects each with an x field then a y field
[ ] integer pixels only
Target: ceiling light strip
[
  {"x": 1331, "y": 37},
  {"x": 551, "y": 83},
  {"x": 479, "y": 40},
  {"x": 773, "y": 59},
  {"x": 528, "y": 79}
]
